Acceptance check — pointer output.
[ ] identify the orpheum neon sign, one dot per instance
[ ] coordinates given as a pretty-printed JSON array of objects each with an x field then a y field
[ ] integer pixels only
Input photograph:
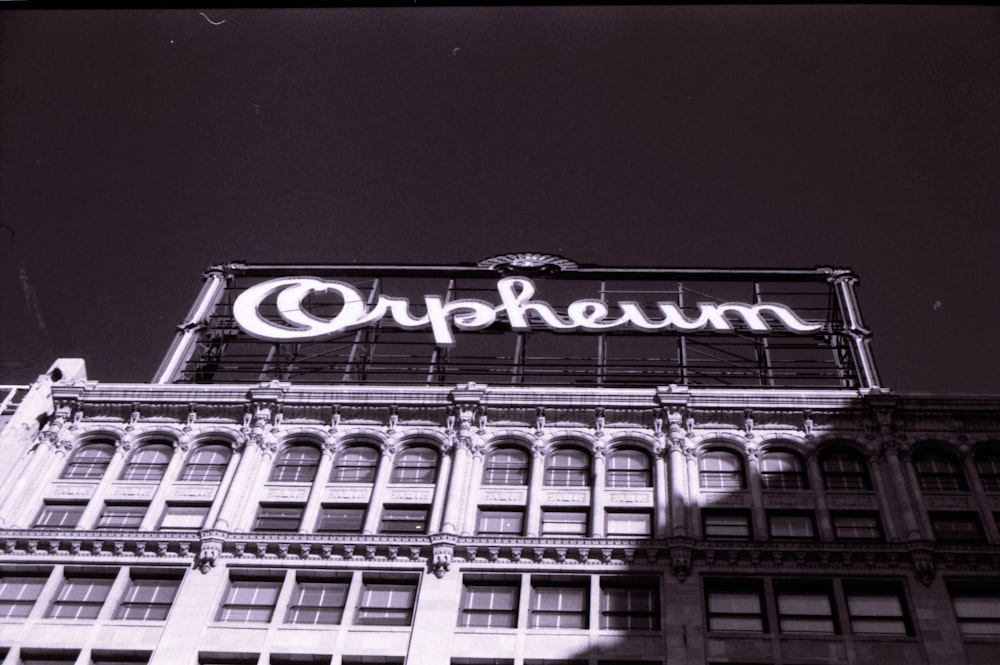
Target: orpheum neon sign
[{"x": 516, "y": 302}]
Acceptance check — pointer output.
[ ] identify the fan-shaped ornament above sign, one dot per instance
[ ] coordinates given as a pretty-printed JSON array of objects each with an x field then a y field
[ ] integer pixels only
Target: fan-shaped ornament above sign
[{"x": 527, "y": 263}]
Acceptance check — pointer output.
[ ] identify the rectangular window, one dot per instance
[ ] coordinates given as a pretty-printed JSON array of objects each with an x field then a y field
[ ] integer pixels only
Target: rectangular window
[
  {"x": 104, "y": 657},
  {"x": 956, "y": 527},
  {"x": 856, "y": 526},
  {"x": 215, "y": 658},
  {"x": 18, "y": 593},
  {"x": 876, "y": 609},
  {"x": 185, "y": 517},
  {"x": 48, "y": 657},
  {"x": 403, "y": 520},
  {"x": 250, "y": 598},
  {"x": 149, "y": 598},
  {"x": 559, "y": 603},
  {"x": 495, "y": 522},
  {"x": 386, "y": 601},
  {"x": 60, "y": 515},
  {"x": 564, "y": 522},
  {"x": 798, "y": 525},
  {"x": 317, "y": 599},
  {"x": 344, "y": 519},
  {"x": 629, "y": 524},
  {"x": 977, "y": 607},
  {"x": 121, "y": 516},
  {"x": 726, "y": 524},
  {"x": 299, "y": 659},
  {"x": 279, "y": 518},
  {"x": 490, "y": 603},
  {"x": 630, "y": 604},
  {"x": 735, "y": 605},
  {"x": 81, "y": 597},
  {"x": 804, "y": 607}
]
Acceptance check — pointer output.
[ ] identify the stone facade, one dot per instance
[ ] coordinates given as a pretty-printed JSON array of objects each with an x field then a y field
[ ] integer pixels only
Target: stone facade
[{"x": 278, "y": 523}]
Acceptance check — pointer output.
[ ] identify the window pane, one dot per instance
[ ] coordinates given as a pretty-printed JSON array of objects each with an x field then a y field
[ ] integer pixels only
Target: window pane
[
  {"x": 857, "y": 527},
  {"x": 148, "y": 463},
  {"x": 89, "y": 462},
  {"x": 718, "y": 469},
  {"x": 988, "y": 464},
  {"x": 148, "y": 599},
  {"x": 18, "y": 594},
  {"x": 80, "y": 598},
  {"x": 501, "y": 522},
  {"x": 782, "y": 471},
  {"x": 297, "y": 464},
  {"x": 844, "y": 470},
  {"x": 734, "y": 606},
  {"x": 630, "y": 608},
  {"x": 356, "y": 464},
  {"x": 59, "y": 515},
  {"x": 726, "y": 525},
  {"x": 184, "y": 517},
  {"x": 567, "y": 468},
  {"x": 876, "y": 613},
  {"x": 629, "y": 524},
  {"x": 564, "y": 523},
  {"x": 791, "y": 526},
  {"x": 249, "y": 601},
  {"x": 507, "y": 466},
  {"x": 559, "y": 607},
  {"x": 938, "y": 472},
  {"x": 278, "y": 518},
  {"x": 492, "y": 606},
  {"x": 403, "y": 520},
  {"x": 386, "y": 604},
  {"x": 341, "y": 518},
  {"x": 318, "y": 602},
  {"x": 628, "y": 468},
  {"x": 415, "y": 465},
  {"x": 207, "y": 464},
  {"x": 803, "y": 612},
  {"x": 121, "y": 517}
]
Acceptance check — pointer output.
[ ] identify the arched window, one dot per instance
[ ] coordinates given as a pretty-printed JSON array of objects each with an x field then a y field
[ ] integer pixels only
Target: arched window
[
  {"x": 844, "y": 470},
  {"x": 782, "y": 471},
  {"x": 720, "y": 469},
  {"x": 148, "y": 463},
  {"x": 415, "y": 465},
  {"x": 355, "y": 464},
  {"x": 938, "y": 471},
  {"x": 207, "y": 464},
  {"x": 988, "y": 465},
  {"x": 506, "y": 466},
  {"x": 90, "y": 461},
  {"x": 628, "y": 467},
  {"x": 567, "y": 467},
  {"x": 298, "y": 463}
]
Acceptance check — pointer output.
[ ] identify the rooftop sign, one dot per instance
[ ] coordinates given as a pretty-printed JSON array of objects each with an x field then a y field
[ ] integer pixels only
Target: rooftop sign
[
  {"x": 523, "y": 319},
  {"x": 516, "y": 301}
]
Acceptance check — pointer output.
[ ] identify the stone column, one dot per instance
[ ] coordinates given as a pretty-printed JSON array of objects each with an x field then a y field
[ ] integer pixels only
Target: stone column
[
  {"x": 822, "y": 509},
  {"x": 378, "y": 488},
  {"x": 535, "y": 480},
  {"x": 903, "y": 477},
  {"x": 154, "y": 510},
  {"x": 662, "y": 504},
  {"x": 979, "y": 493},
  {"x": 598, "y": 491},
  {"x": 695, "y": 499},
  {"x": 224, "y": 486},
  {"x": 760, "y": 525},
  {"x": 678, "y": 489},
  {"x": 894, "y": 531},
  {"x": 456, "y": 484},
  {"x": 478, "y": 451},
  {"x": 315, "y": 500},
  {"x": 442, "y": 490}
]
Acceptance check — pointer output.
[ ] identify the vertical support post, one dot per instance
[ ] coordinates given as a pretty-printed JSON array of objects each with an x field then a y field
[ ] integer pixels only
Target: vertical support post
[
  {"x": 843, "y": 282},
  {"x": 187, "y": 332}
]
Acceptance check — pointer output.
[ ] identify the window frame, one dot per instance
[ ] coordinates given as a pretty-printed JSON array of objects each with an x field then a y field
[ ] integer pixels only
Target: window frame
[
  {"x": 721, "y": 479},
  {"x": 97, "y": 589},
  {"x": 298, "y": 462},
  {"x": 409, "y": 468},
  {"x": 839, "y": 529},
  {"x": 195, "y": 471},
  {"x": 780, "y": 478},
  {"x": 857, "y": 589},
  {"x": 511, "y": 521},
  {"x": 939, "y": 471},
  {"x": 939, "y": 518},
  {"x": 268, "y": 582},
  {"x": 20, "y": 591},
  {"x": 560, "y": 588},
  {"x": 397, "y": 516},
  {"x": 976, "y": 591},
  {"x": 804, "y": 590},
  {"x": 322, "y": 613},
  {"x": 78, "y": 468},
  {"x": 393, "y": 612},
  {"x": 179, "y": 508},
  {"x": 506, "y": 473},
  {"x": 726, "y": 518},
  {"x": 733, "y": 589},
  {"x": 628, "y": 476},
  {"x": 271, "y": 512},
  {"x": 355, "y": 512},
  {"x": 567, "y": 473},
  {"x": 137, "y": 470},
  {"x": 844, "y": 471},
  {"x": 987, "y": 461},
  {"x": 802, "y": 517},
  {"x": 70, "y": 509},
  {"x": 129, "y": 514},
  {"x": 632, "y": 619},
  {"x": 547, "y": 521},
  {"x": 357, "y": 470},
  {"x": 620, "y": 516},
  {"x": 491, "y": 589},
  {"x": 162, "y": 583}
]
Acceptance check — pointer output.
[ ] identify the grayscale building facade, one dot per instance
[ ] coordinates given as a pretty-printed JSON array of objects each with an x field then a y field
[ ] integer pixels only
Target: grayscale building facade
[{"x": 521, "y": 461}]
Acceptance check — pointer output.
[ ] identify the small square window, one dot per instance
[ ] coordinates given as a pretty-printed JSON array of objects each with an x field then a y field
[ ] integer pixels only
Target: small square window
[
  {"x": 557, "y": 603},
  {"x": 185, "y": 517},
  {"x": 490, "y": 603},
  {"x": 342, "y": 519},
  {"x": 386, "y": 601},
  {"x": 805, "y": 607},
  {"x": 977, "y": 607},
  {"x": 630, "y": 604},
  {"x": 279, "y": 518},
  {"x": 798, "y": 525},
  {"x": 726, "y": 524},
  {"x": 564, "y": 522},
  {"x": 19, "y": 591},
  {"x": 956, "y": 527},
  {"x": 122, "y": 516},
  {"x": 856, "y": 526},
  {"x": 80, "y": 597},
  {"x": 629, "y": 524},
  {"x": 250, "y": 598},
  {"x": 317, "y": 599},
  {"x": 877, "y": 609},
  {"x": 60, "y": 515},
  {"x": 497, "y": 522},
  {"x": 735, "y": 605},
  {"x": 403, "y": 520},
  {"x": 148, "y": 598}
]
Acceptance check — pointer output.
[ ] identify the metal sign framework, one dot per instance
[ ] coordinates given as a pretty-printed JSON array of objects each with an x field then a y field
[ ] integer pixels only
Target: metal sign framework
[{"x": 210, "y": 346}]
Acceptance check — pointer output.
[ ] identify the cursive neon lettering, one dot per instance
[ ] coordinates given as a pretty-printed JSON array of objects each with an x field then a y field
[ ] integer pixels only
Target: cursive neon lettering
[{"x": 515, "y": 294}]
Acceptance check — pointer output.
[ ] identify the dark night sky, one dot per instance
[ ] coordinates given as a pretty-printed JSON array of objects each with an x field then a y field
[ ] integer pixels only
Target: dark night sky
[{"x": 139, "y": 147}]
